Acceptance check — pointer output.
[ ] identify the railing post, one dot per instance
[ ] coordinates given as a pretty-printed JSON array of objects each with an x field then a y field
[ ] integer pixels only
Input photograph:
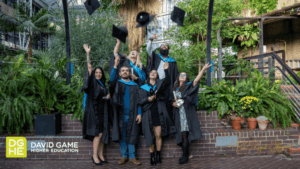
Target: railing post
[
  {"x": 220, "y": 54},
  {"x": 270, "y": 65},
  {"x": 261, "y": 44}
]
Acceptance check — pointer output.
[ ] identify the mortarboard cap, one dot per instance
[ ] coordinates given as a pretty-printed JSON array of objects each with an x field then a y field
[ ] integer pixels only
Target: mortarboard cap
[
  {"x": 91, "y": 6},
  {"x": 120, "y": 33},
  {"x": 177, "y": 15},
  {"x": 143, "y": 19}
]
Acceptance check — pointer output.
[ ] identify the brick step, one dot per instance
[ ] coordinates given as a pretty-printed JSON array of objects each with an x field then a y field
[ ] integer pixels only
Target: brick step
[{"x": 207, "y": 146}]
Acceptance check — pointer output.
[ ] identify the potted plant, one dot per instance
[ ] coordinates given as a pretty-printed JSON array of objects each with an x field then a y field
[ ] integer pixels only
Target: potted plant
[
  {"x": 16, "y": 103},
  {"x": 262, "y": 122},
  {"x": 49, "y": 91},
  {"x": 237, "y": 121},
  {"x": 249, "y": 105}
]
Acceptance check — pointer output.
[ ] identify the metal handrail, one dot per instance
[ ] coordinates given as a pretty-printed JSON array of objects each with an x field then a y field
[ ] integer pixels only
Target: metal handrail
[
  {"x": 281, "y": 62},
  {"x": 288, "y": 78}
]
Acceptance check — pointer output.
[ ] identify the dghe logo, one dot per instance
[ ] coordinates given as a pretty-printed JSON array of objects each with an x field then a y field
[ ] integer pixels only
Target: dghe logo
[{"x": 16, "y": 147}]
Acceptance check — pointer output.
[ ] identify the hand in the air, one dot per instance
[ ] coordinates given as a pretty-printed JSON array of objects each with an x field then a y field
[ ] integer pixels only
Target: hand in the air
[
  {"x": 118, "y": 40},
  {"x": 117, "y": 61},
  {"x": 108, "y": 97},
  {"x": 206, "y": 66},
  {"x": 139, "y": 119},
  {"x": 87, "y": 48},
  {"x": 154, "y": 36}
]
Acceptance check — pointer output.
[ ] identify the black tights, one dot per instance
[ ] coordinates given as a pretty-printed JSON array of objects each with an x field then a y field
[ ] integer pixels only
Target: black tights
[{"x": 185, "y": 136}]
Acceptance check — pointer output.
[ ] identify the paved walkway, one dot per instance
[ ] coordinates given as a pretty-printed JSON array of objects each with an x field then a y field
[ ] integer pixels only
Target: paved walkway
[{"x": 242, "y": 162}]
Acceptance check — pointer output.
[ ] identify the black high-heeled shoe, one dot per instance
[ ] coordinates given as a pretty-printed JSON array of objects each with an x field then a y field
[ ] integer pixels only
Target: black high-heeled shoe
[
  {"x": 96, "y": 163},
  {"x": 104, "y": 162}
]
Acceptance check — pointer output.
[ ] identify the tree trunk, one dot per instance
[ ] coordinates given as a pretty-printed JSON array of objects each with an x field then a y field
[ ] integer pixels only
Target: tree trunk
[{"x": 30, "y": 50}]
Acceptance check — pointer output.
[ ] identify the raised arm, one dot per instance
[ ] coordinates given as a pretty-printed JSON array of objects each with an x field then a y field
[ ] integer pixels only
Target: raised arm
[
  {"x": 200, "y": 74},
  {"x": 89, "y": 63},
  {"x": 117, "y": 47},
  {"x": 149, "y": 45}
]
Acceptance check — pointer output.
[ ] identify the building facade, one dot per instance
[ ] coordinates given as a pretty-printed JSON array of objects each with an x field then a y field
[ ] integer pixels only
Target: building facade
[{"x": 18, "y": 40}]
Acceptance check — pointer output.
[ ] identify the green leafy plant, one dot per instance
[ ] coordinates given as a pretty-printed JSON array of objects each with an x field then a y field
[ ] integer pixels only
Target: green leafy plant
[
  {"x": 248, "y": 34},
  {"x": 245, "y": 67},
  {"x": 94, "y": 30},
  {"x": 17, "y": 105},
  {"x": 23, "y": 22},
  {"x": 274, "y": 104},
  {"x": 225, "y": 97},
  {"x": 48, "y": 89},
  {"x": 263, "y": 6}
]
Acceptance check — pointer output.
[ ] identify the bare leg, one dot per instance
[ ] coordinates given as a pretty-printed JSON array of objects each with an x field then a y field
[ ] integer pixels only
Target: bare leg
[
  {"x": 151, "y": 148},
  {"x": 158, "y": 140},
  {"x": 100, "y": 152},
  {"x": 95, "y": 149}
]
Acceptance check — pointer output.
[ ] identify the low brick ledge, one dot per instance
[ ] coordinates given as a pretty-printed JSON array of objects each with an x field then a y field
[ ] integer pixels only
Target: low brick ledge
[{"x": 205, "y": 147}]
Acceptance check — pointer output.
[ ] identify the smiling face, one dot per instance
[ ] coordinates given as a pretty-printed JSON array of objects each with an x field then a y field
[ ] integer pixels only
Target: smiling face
[
  {"x": 133, "y": 54},
  {"x": 182, "y": 77},
  {"x": 124, "y": 72},
  {"x": 153, "y": 74},
  {"x": 164, "y": 46},
  {"x": 98, "y": 74}
]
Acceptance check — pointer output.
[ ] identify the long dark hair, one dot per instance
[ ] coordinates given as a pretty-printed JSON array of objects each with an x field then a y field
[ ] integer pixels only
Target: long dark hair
[
  {"x": 177, "y": 83},
  {"x": 103, "y": 78}
]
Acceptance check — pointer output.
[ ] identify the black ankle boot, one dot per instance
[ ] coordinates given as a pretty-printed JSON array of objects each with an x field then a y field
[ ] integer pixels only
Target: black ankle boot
[
  {"x": 152, "y": 159},
  {"x": 185, "y": 155},
  {"x": 158, "y": 157}
]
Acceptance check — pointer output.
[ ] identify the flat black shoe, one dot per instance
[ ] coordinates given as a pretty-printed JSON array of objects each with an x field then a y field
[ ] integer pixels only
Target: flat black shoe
[
  {"x": 104, "y": 162},
  {"x": 96, "y": 163}
]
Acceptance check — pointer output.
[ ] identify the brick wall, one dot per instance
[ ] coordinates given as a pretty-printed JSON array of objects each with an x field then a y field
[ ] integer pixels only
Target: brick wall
[{"x": 251, "y": 142}]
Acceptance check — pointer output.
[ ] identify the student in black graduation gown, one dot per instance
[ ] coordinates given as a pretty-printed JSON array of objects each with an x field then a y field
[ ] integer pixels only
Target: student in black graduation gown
[
  {"x": 156, "y": 61},
  {"x": 132, "y": 62},
  {"x": 127, "y": 113},
  {"x": 95, "y": 124},
  {"x": 186, "y": 119},
  {"x": 156, "y": 120}
]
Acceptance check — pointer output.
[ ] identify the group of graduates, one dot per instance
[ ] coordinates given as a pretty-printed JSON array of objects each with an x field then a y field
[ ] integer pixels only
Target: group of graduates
[{"x": 164, "y": 106}]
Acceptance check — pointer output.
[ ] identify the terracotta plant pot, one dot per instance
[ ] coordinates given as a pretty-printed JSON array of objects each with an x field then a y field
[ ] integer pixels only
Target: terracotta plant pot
[
  {"x": 262, "y": 125},
  {"x": 236, "y": 123},
  {"x": 252, "y": 123}
]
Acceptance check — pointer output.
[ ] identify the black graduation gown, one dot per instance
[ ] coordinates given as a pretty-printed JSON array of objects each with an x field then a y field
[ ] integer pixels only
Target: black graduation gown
[
  {"x": 189, "y": 95},
  {"x": 90, "y": 118},
  {"x": 167, "y": 126},
  {"x": 132, "y": 133},
  {"x": 153, "y": 63}
]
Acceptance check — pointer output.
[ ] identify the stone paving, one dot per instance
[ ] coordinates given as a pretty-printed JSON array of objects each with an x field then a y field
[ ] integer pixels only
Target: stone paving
[{"x": 279, "y": 161}]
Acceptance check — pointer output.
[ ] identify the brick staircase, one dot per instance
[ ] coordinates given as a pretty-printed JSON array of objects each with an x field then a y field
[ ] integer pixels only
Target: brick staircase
[{"x": 216, "y": 141}]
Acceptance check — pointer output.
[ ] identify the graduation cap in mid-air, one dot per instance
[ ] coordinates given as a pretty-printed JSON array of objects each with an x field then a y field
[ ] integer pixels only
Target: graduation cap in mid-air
[
  {"x": 120, "y": 33},
  {"x": 143, "y": 19},
  {"x": 91, "y": 6},
  {"x": 177, "y": 15}
]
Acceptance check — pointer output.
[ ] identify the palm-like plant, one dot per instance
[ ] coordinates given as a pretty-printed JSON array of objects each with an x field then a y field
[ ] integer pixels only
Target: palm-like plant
[
  {"x": 23, "y": 22},
  {"x": 17, "y": 105}
]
